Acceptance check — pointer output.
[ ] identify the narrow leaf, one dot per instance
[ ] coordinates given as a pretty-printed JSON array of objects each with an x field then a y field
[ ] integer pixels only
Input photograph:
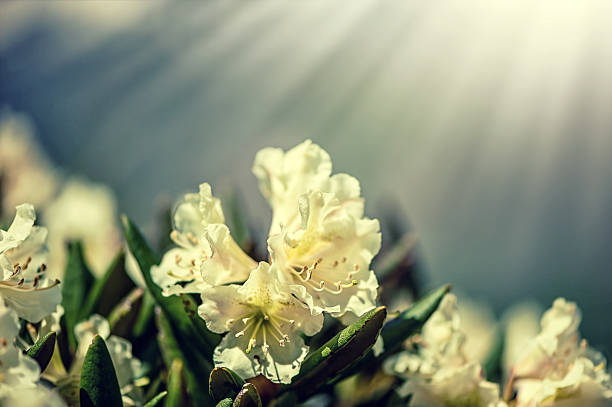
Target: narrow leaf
[
  {"x": 99, "y": 386},
  {"x": 407, "y": 323},
  {"x": 42, "y": 350},
  {"x": 107, "y": 291},
  {"x": 194, "y": 364},
  {"x": 156, "y": 400},
  {"x": 338, "y": 353},
  {"x": 121, "y": 318},
  {"x": 75, "y": 286},
  {"x": 175, "y": 385},
  {"x": 247, "y": 397},
  {"x": 181, "y": 311},
  {"x": 224, "y": 383}
]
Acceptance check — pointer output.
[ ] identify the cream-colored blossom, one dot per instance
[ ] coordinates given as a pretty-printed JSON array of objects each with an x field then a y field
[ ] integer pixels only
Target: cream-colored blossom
[
  {"x": 24, "y": 285},
  {"x": 206, "y": 254},
  {"x": 16, "y": 369},
  {"x": 26, "y": 175},
  {"x": 127, "y": 367},
  {"x": 558, "y": 368},
  {"x": 319, "y": 238},
  {"x": 440, "y": 374},
  {"x": 264, "y": 321},
  {"x": 87, "y": 212}
]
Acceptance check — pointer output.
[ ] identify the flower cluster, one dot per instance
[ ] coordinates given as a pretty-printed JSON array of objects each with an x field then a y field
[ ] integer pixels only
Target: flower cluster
[
  {"x": 27, "y": 293},
  {"x": 559, "y": 367},
  {"x": 320, "y": 248},
  {"x": 439, "y": 373}
]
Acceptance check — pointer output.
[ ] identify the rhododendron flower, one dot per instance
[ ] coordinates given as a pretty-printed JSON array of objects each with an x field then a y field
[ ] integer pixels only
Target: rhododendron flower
[
  {"x": 440, "y": 373},
  {"x": 24, "y": 285},
  {"x": 206, "y": 254},
  {"x": 319, "y": 237},
  {"x": 558, "y": 368},
  {"x": 320, "y": 246},
  {"x": 264, "y": 322}
]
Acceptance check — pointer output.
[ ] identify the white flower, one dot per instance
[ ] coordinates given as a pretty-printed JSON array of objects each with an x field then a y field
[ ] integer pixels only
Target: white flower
[
  {"x": 38, "y": 396},
  {"x": 24, "y": 285},
  {"x": 440, "y": 373},
  {"x": 127, "y": 367},
  {"x": 87, "y": 212},
  {"x": 16, "y": 369},
  {"x": 264, "y": 321},
  {"x": 558, "y": 368},
  {"x": 319, "y": 238},
  {"x": 25, "y": 172},
  {"x": 206, "y": 254}
]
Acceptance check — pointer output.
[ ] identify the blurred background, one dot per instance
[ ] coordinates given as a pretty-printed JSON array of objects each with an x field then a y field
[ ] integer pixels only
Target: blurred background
[{"x": 487, "y": 125}]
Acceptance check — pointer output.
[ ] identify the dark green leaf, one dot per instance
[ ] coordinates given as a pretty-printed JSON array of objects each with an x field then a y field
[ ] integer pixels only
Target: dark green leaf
[
  {"x": 99, "y": 386},
  {"x": 156, "y": 400},
  {"x": 121, "y": 318},
  {"x": 181, "y": 311},
  {"x": 224, "y": 383},
  {"x": 407, "y": 323},
  {"x": 171, "y": 350},
  {"x": 108, "y": 289},
  {"x": 175, "y": 385},
  {"x": 75, "y": 286},
  {"x": 42, "y": 351},
  {"x": 247, "y": 397},
  {"x": 145, "y": 315},
  {"x": 338, "y": 353}
]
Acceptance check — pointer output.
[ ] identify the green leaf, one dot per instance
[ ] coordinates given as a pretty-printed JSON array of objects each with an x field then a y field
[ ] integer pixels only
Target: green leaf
[
  {"x": 338, "y": 353},
  {"x": 247, "y": 397},
  {"x": 99, "y": 385},
  {"x": 42, "y": 350},
  {"x": 75, "y": 286},
  {"x": 156, "y": 400},
  {"x": 107, "y": 291},
  {"x": 175, "y": 385},
  {"x": 407, "y": 323},
  {"x": 121, "y": 318},
  {"x": 189, "y": 329},
  {"x": 171, "y": 350},
  {"x": 145, "y": 316},
  {"x": 228, "y": 402},
  {"x": 224, "y": 383}
]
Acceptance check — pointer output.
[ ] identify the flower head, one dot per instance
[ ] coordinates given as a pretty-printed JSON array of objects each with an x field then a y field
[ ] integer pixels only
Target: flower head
[
  {"x": 264, "y": 321},
  {"x": 319, "y": 237},
  {"x": 24, "y": 285},
  {"x": 559, "y": 367},
  {"x": 440, "y": 374},
  {"x": 206, "y": 254},
  {"x": 16, "y": 369}
]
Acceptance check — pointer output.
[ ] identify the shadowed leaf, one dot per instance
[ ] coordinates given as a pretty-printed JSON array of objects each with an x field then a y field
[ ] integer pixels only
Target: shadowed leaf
[{"x": 42, "y": 350}]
